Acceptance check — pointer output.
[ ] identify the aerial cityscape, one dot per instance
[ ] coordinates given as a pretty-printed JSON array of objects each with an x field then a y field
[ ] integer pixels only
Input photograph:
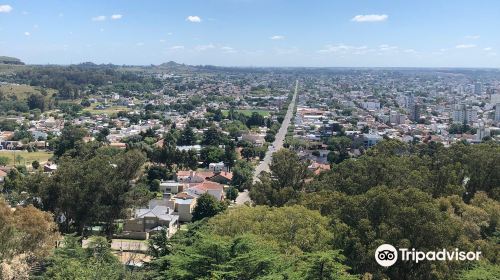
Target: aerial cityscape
[{"x": 188, "y": 140}]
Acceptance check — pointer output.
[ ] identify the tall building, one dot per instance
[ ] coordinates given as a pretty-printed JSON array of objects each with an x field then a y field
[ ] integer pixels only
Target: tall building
[
  {"x": 482, "y": 132},
  {"x": 414, "y": 109},
  {"x": 477, "y": 88},
  {"x": 462, "y": 114},
  {"x": 497, "y": 112},
  {"x": 495, "y": 98}
]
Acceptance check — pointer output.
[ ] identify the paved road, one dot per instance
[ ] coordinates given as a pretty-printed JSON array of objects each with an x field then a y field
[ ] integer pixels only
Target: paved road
[{"x": 277, "y": 144}]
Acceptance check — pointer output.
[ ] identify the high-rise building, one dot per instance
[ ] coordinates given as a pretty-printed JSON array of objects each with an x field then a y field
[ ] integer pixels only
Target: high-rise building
[
  {"x": 477, "y": 88},
  {"x": 463, "y": 114},
  {"x": 495, "y": 98},
  {"x": 414, "y": 109},
  {"x": 497, "y": 112}
]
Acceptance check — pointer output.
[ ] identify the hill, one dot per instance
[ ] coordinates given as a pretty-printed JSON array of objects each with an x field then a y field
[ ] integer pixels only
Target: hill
[{"x": 10, "y": 60}]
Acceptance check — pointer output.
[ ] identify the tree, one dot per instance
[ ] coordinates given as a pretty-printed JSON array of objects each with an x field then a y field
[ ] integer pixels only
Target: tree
[
  {"x": 70, "y": 137},
  {"x": 292, "y": 228},
  {"x": 285, "y": 182},
  {"x": 232, "y": 193},
  {"x": 248, "y": 152},
  {"x": 483, "y": 270},
  {"x": 211, "y": 137},
  {"x": 27, "y": 235},
  {"x": 71, "y": 261},
  {"x": 159, "y": 245},
  {"x": 242, "y": 175},
  {"x": 230, "y": 155},
  {"x": 207, "y": 206},
  {"x": 35, "y": 164},
  {"x": 325, "y": 265},
  {"x": 102, "y": 134},
  {"x": 90, "y": 189},
  {"x": 211, "y": 154},
  {"x": 363, "y": 222},
  {"x": 187, "y": 137},
  {"x": 36, "y": 101},
  {"x": 255, "y": 119},
  {"x": 4, "y": 161}
]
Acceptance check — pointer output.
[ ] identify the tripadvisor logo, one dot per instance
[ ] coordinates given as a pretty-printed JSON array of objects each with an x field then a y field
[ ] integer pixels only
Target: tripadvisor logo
[{"x": 386, "y": 255}]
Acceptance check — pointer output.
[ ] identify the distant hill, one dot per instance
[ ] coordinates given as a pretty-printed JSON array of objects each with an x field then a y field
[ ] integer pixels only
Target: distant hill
[
  {"x": 10, "y": 60},
  {"x": 172, "y": 65}
]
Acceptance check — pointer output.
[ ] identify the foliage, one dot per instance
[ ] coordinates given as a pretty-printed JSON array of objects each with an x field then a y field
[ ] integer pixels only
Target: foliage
[
  {"x": 232, "y": 193},
  {"x": 207, "y": 206},
  {"x": 27, "y": 235},
  {"x": 88, "y": 189},
  {"x": 71, "y": 261},
  {"x": 242, "y": 175},
  {"x": 285, "y": 182}
]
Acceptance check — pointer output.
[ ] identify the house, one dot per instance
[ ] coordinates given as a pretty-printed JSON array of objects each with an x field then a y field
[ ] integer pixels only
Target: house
[
  {"x": 148, "y": 221},
  {"x": 256, "y": 139},
  {"x": 189, "y": 177},
  {"x": 317, "y": 168},
  {"x": 222, "y": 177},
  {"x": 216, "y": 167},
  {"x": 214, "y": 189},
  {"x": 171, "y": 187},
  {"x": 370, "y": 140},
  {"x": 197, "y": 177},
  {"x": 182, "y": 204}
]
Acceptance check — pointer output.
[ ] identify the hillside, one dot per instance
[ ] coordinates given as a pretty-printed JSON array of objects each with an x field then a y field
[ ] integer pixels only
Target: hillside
[{"x": 10, "y": 60}]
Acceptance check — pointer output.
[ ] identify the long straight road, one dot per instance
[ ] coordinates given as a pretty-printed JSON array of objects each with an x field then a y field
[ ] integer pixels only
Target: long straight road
[{"x": 277, "y": 144}]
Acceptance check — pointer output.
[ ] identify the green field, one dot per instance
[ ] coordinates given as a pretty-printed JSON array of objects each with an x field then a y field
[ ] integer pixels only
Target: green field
[
  {"x": 249, "y": 112},
  {"x": 23, "y": 91},
  {"x": 113, "y": 109},
  {"x": 26, "y": 157}
]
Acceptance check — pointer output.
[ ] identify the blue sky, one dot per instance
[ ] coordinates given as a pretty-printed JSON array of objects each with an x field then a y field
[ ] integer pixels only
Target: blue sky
[{"x": 418, "y": 33}]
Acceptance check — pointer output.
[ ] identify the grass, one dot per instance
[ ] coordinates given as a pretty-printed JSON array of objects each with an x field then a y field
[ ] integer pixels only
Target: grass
[
  {"x": 23, "y": 91},
  {"x": 249, "y": 112},
  {"x": 11, "y": 68},
  {"x": 26, "y": 157},
  {"x": 113, "y": 109}
]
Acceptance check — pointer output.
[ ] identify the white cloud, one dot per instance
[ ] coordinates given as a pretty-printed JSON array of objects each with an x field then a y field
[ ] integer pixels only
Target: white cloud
[
  {"x": 99, "y": 18},
  {"x": 162, "y": 41},
  {"x": 386, "y": 47},
  {"x": 465, "y": 46},
  {"x": 472, "y": 37},
  {"x": 345, "y": 49},
  {"x": 27, "y": 33},
  {"x": 277, "y": 37},
  {"x": 5, "y": 8},
  {"x": 177, "y": 47},
  {"x": 140, "y": 44},
  {"x": 170, "y": 33},
  {"x": 204, "y": 47},
  {"x": 193, "y": 19},
  {"x": 410, "y": 51},
  {"x": 228, "y": 49},
  {"x": 116, "y": 16},
  {"x": 488, "y": 49},
  {"x": 370, "y": 18}
]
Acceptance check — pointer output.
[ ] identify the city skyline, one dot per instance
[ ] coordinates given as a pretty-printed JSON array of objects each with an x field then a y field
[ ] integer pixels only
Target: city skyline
[{"x": 254, "y": 33}]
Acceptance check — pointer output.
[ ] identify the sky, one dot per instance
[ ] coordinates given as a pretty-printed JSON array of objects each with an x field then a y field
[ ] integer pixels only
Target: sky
[{"x": 317, "y": 33}]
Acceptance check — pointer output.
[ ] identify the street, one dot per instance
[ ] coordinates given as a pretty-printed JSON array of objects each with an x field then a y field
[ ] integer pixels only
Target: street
[{"x": 276, "y": 146}]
